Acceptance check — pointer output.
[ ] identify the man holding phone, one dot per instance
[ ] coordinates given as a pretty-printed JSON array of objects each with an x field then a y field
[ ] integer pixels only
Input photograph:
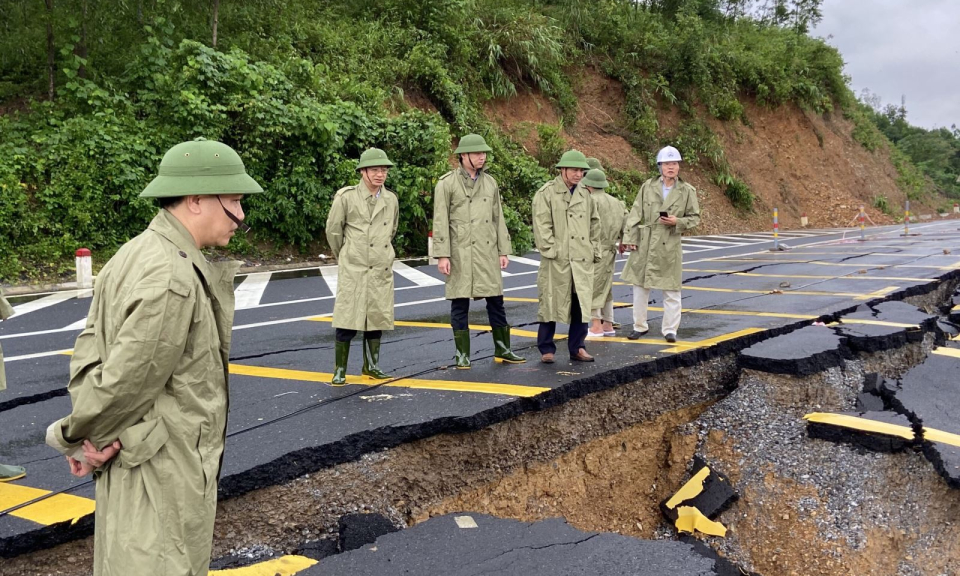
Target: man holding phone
[{"x": 665, "y": 207}]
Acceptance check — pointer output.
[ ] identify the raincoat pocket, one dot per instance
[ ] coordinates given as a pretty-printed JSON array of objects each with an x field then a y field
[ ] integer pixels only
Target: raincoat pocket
[{"x": 141, "y": 442}]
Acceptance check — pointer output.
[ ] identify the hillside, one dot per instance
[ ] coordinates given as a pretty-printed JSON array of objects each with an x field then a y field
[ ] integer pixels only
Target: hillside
[{"x": 795, "y": 160}]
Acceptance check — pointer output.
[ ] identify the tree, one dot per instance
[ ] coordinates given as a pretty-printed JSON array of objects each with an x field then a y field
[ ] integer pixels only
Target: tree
[
  {"x": 216, "y": 20},
  {"x": 51, "y": 52}
]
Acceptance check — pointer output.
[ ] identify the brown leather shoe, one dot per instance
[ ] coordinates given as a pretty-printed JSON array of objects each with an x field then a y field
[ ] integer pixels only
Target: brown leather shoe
[
  {"x": 581, "y": 356},
  {"x": 546, "y": 358}
]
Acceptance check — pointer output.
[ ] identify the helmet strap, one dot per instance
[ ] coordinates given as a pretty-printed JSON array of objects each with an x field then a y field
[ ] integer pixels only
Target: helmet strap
[{"x": 240, "y": 224}]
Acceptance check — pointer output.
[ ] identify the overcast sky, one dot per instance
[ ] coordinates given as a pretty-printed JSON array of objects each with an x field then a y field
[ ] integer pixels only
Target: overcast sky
[{"x": 896, "y": 47}]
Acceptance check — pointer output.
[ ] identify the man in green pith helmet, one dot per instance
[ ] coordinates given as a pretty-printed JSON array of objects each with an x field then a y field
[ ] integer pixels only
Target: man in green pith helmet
[
  {"x": 148, "y": 377},
  {"x": 566, "y": 228},
  {"x": 665, "y": 207},
  {"x": 471, "y": 242},
  {"x": 7, "y": 472},
  {"x": 594, "y": 164},
  {"x": 360, "y": 229},
  {"x": 612, "y": 215}
]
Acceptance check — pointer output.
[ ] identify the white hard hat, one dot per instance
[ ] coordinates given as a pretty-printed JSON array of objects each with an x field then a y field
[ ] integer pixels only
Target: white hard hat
[{"x": 668, "y": 154}]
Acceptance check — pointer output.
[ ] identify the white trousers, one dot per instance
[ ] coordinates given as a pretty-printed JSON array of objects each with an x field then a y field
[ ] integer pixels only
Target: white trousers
[
  {"x": 605, "y": 313},
  {"x": 671, "y": 310}
]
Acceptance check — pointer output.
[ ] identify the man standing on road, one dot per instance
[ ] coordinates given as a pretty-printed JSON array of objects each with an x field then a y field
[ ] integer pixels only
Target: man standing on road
[
  {"x": 665, "y": 207},
  {"x": 360, "y": 229},
  {"x": 566, "y": 228},
  {"x": 612, "y": 214},
  {"x": 471, "y": 242},
  {"x": 7, "y": 473},
  {"x": 148, "y": 377}
]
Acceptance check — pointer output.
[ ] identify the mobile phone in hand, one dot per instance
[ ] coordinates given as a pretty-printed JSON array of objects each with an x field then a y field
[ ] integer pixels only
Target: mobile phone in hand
[{"x": 663, "y": 214}]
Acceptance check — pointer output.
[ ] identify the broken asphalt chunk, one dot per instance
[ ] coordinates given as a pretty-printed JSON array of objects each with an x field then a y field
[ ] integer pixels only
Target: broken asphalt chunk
[
  {"x": 708, "y": 493},
  {"x": 876, "y": 431},
  {"x": 802, "y": 352}
]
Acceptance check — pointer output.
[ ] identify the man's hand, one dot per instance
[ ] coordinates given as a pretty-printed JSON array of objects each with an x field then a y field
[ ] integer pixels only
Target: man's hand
[
  {"x": 443, "y": 265},
  {"x": 97, "y": 458},
  {"x": 629, "y": 247},
  {"x": 503, "y": 262},
  {"x": 78, "y": 468},
  {"x": 669, "y": 220}
]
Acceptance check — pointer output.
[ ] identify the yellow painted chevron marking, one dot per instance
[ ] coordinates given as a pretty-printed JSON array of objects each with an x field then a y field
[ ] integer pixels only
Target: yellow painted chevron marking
[
  {"x": 809, "y": 276},
  {"x": 53, "y": 510},
  {"x": 283, "y": 566},
  {"x": 951, "y": 352},
  {"x": 867, "y": 425},
  {"x": 325, "y": 377}
]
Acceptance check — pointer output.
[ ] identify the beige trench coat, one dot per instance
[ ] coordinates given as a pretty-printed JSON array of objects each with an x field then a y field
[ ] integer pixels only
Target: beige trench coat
[
  {"x": 363, "y": 245},
  {"x": 150, "y": 369},
  {"x": 658, "y": 260},
  {"x": 566, "y": 229},
  {"x": 469, "y": 229},
  {"x": 613, "y": 213}
]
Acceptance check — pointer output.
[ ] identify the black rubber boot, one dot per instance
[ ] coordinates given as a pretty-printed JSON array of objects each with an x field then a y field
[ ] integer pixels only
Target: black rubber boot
[
  {"x": 371, "y": 360},
  {"x": 501, "y": 346},
  {"x": 341, "y": 355},
  {"x": 462, "y": 339}
]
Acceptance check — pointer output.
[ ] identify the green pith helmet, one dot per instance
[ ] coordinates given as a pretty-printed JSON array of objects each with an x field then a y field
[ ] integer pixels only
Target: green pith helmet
[
  {"x": 595, "y": 178},
  {"x": 573, "y": 159},
  {"x": 472, "y": 143},
  {"x": 200, "y": 168},
  {"x": 594, "y": 164},
  {"x": 373, "y": 157}
]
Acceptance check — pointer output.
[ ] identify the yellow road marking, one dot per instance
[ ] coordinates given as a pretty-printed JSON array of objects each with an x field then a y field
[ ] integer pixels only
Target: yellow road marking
[
  {"x": 55, "y": 509},
  {"x": 864, "y": 424},
  {"x": 476, "y": 327},
  {"x": 715, "y": 340},
  {"x": 283, "y": 566},
  {"x": 809, "y": 276},
  {"x": 871, "y": 254},
  {"x": 691, "y": 488},
  {"x": 696, "y": 310},
  {"x": 819, "y": 263},
  {"x": 876, "y": 323},
  {"x": 878, "y": 293},
  {"x": 325, "y": 377},
  {"x": 750, "y": 291},
  {"x": 951, "y": 352},
  {"x": 867, "y": 425}
]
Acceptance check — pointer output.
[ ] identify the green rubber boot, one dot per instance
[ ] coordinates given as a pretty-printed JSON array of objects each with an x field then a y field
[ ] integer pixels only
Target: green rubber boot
[
  {"x": 341, "y": 355},
  {"x": 501, "y": 346},
  {"x": 371, "y": 360},
  {"x": 462, "y": 339}
]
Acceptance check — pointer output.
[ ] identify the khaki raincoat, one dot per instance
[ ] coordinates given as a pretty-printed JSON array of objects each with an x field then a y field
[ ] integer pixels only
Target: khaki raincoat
[
  {"x": 150, "y": 369},
  {"x": 566, "y": 228},
  {"x": 613, "y": 213},
  {"x": 469, "y": 229},
  {"x": 363, "y": 245},
  {"x": 658, "y": 260},
  {"x": 5, "y": 312}
]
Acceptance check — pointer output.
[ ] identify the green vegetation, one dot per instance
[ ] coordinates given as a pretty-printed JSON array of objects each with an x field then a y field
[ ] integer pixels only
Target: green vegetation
[{"x": 93, "y": 93}]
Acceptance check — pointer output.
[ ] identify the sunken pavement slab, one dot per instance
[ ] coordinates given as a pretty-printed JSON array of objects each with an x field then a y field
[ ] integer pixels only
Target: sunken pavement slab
[
  {"x": 473, "y": 544},
  {"x": 802, "y": 352},
  {"x": 929, "y": 395}
]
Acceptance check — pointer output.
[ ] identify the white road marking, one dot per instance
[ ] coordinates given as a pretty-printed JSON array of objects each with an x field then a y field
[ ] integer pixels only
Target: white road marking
[
  {"x": 416, "y": 276},
  {"x": 329, "y": 275},
  {"x": 250, "y": 291},
  {"x": 527, "y": 261},
  {"x": 46, "y": 301}
]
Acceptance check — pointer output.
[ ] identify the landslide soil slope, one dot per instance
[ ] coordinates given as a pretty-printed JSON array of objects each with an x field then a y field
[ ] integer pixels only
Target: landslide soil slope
[{"x": 794, "y": 160}]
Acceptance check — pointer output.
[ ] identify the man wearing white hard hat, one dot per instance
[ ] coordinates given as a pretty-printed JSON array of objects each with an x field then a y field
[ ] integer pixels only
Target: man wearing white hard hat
[{"x": 665, "y": 207}]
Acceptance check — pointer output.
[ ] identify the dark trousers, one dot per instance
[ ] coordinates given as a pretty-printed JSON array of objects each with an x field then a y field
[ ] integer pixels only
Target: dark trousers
[
  {"x": 344, "y": 335},
  {"x": 460, "y": 310},
  {"x": 577, "y": 337}
]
